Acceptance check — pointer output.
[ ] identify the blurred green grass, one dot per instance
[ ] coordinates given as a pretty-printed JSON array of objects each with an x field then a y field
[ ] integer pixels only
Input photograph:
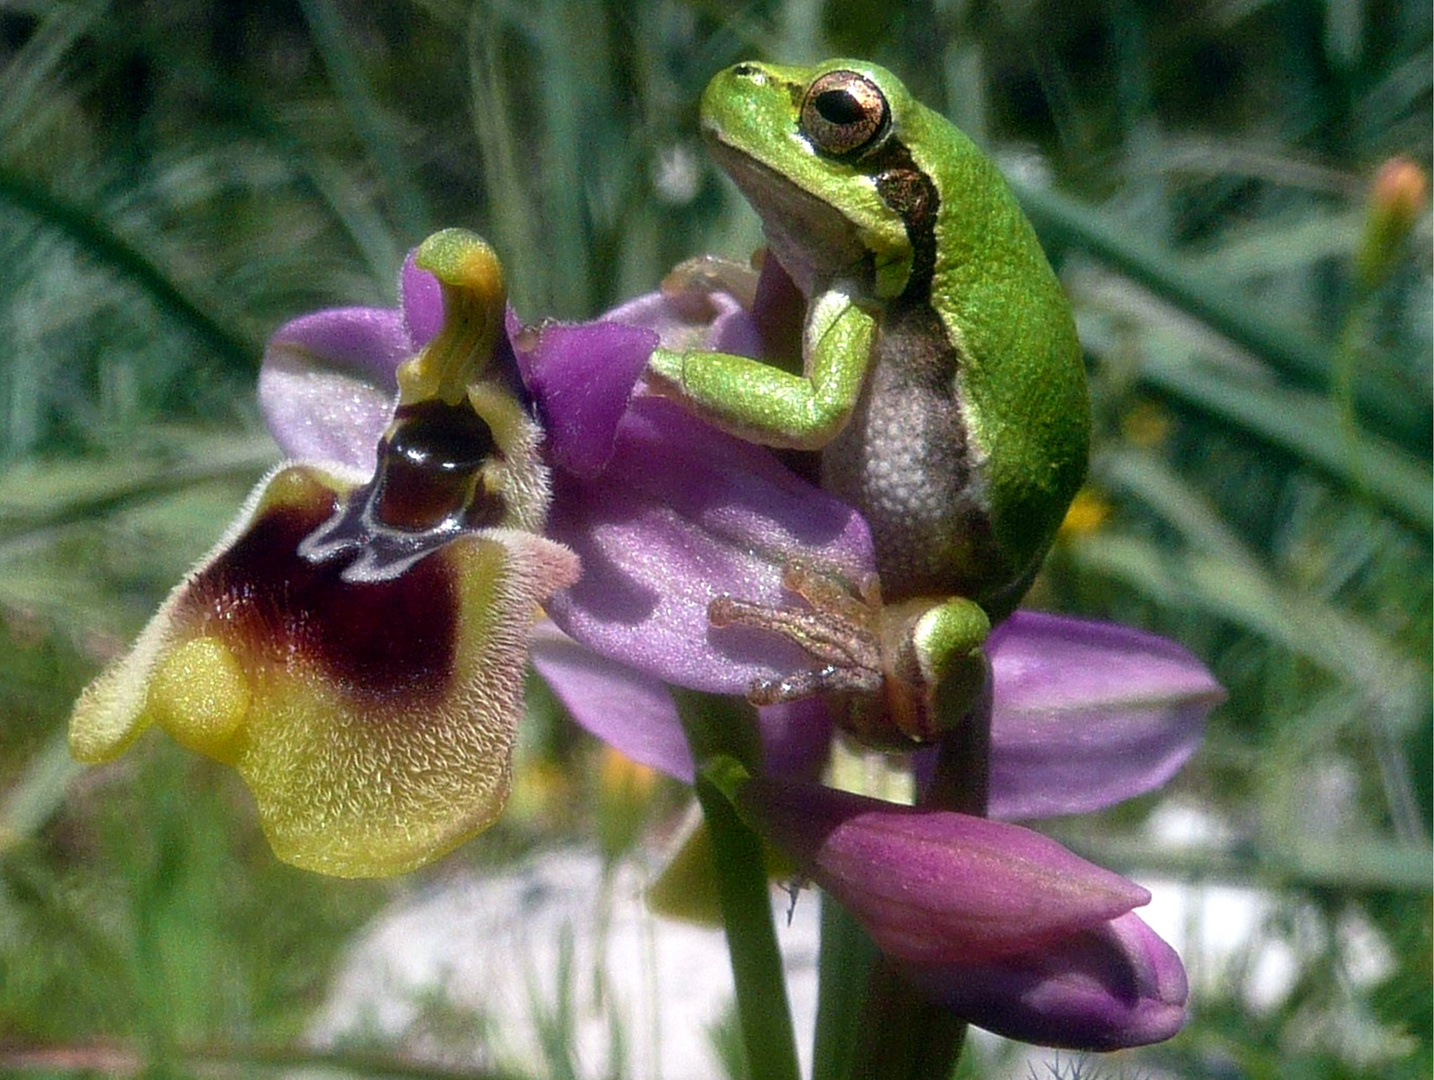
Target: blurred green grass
[{"x": 177, "y": 179}]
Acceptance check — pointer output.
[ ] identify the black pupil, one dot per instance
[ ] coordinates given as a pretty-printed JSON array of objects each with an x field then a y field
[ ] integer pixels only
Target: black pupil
[{"x": 840, "y": 107}]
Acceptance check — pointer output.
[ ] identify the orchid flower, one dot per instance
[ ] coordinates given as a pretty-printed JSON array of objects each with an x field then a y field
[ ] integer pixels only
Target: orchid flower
[
  {"x": 1086, "y": 714},
  {"x": 355, "y": 645},
  {"x": 1002, "y": 925}
]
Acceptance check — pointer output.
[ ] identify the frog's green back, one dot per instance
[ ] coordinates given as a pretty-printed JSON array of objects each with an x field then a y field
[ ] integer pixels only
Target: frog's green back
[{"x": 1022, "y": 375}]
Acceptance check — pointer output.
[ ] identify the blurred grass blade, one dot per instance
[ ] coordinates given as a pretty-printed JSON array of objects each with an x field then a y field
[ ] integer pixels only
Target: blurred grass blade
[
  {"x": 1065, "y": 223},
  {"x": 1246, "y": 596},
  {"x": 26, "y": 74},
  {"x": 1308, "y": 427},
  {"x": 38, "y": 792},
  {"x": 104, "y": 245},
  {"x": 1365, "y": 863},
  {"x": 335, "y": 45},
  {"x": 505, "y": 183},
  {"x": 1180, "y": 503},
  {"x": 348, "y": 195},
  {"x": 37, "y": 496},
  {"x": 542, "y": 163},
  {"x": 235, "y": 1059}
]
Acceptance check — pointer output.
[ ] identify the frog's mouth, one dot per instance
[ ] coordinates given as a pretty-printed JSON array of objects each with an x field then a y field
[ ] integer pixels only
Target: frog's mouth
[{"x": 812, "y": 238}]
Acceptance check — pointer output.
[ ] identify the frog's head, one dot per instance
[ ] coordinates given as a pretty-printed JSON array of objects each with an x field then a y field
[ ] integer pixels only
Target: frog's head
[{"x": 815, "y": 150}]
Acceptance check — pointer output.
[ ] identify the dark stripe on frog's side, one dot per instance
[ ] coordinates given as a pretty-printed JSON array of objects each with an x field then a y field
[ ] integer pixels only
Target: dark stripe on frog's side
[
  {"x": 910, "y": 192},
  {"x": 908, "y": 429}
]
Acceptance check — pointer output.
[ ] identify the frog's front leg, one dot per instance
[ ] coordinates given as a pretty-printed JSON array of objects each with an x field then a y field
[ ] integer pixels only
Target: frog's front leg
[
  {"x": 895, "y": 674},
  {"x": 764, "y": 404}
]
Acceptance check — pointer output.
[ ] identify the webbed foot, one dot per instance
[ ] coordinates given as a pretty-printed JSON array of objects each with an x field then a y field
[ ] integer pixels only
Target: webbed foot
[{"x": 896, "y": 675}]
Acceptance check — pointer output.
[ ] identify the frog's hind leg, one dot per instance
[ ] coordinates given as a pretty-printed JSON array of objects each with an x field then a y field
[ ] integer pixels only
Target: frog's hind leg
[
  {"x": 895, "y": 674},
  {"x": 836, "y": 628}
]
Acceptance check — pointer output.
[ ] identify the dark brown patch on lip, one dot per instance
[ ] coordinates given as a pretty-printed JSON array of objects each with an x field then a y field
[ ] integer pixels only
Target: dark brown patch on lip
[{"x": 381, "y": 641}]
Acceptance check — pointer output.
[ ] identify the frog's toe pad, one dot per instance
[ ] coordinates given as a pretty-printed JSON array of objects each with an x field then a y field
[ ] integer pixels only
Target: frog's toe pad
[
  {"x": 804, "y": 684},
  {"x": 847, "y": 652}
]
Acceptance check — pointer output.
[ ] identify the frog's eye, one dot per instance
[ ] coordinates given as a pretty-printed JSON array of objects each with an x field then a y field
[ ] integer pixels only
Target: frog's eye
[{"x": 843, "y": 113}]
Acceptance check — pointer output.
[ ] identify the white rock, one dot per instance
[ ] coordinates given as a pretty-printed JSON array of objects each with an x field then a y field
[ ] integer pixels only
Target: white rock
[{"x": 549, "y": 952}]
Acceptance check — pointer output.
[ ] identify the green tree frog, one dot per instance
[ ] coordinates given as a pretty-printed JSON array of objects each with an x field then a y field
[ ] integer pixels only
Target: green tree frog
[{"x": 941, "y": 382}]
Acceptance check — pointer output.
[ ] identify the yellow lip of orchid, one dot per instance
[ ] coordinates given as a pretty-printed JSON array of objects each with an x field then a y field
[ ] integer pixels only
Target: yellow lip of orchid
[{"x": 356, "y": 647}]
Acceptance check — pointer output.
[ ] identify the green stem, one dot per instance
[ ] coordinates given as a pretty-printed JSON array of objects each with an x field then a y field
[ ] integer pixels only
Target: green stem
[
  {"x": 903, "y": 1036},
  {"x": 1342, "y": 387},
  {"x": 718, "y": 728},
  {"x": 844, "y": 968}
]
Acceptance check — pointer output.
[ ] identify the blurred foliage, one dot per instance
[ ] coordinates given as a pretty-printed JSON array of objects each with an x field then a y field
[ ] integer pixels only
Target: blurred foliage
[{"x": 179, "y": 177}]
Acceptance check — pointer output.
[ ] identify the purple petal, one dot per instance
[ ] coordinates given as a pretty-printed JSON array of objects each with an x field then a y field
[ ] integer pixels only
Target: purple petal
[
  {"x": 733, "y": 329},
  {"x": 779, "y": 311},
  {"x": 326, "y": 385},
  {"x": 421, "y": 301},
  {"x": 682, "y": 514},
  {"x": 695, "y": 320},
  {"x": 636, "y": 714},
  {"x": 582, "y": 377},
  {"x": 797, "y": 738},
  {"x": 1113, "y": 986},
  {"x": 933, "y": 886},
  {"x": 625, "y": 708},
  {"x": 1087, "y": 714}
]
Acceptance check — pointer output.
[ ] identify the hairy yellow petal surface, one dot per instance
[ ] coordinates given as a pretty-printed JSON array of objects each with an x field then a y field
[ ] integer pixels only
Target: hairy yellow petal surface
[
  {"x": 359, "y": 788},
  {"x": 200, "y": 695},
  {"x": 373, "y": 721}
]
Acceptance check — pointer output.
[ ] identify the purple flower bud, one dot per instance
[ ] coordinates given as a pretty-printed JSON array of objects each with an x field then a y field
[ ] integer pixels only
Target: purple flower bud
[
  {"x": 1115, "y": 985},
  {"x": 933, "y": 886}
]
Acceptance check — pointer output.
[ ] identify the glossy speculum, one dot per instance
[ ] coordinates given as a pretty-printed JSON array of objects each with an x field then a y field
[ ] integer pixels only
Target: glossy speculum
[{"x": 427, "y": 488}]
